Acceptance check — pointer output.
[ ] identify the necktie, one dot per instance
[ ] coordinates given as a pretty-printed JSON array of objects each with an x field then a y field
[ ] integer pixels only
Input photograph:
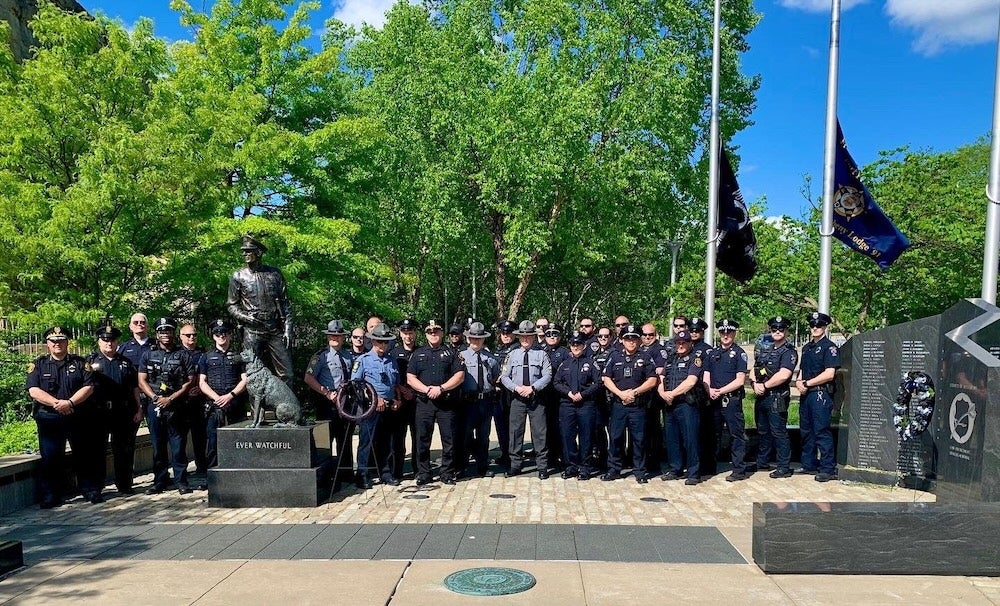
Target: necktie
[
  {"x": 525, "y": 370},
  {"x": 479, "y": 372},
  {"x": 343, "y": 366}
]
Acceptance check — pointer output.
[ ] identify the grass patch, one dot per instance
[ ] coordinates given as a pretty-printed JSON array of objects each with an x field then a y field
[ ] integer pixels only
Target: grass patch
[{"x": 18, "y": 438}]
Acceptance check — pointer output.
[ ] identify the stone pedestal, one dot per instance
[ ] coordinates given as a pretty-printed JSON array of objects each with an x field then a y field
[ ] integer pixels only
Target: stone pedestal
[
  {"x": 271, "y": 467},
  {"x": 11, "y": 556}
]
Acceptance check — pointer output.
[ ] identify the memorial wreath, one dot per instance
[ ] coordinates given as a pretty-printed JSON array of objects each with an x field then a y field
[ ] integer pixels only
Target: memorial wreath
[{"x": 911, "y": 413}]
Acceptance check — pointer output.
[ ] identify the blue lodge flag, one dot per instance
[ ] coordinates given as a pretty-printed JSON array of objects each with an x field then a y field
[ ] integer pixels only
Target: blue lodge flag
[
  {"x": 737, "y": 253},
  {"x": 857, "y": 220}
]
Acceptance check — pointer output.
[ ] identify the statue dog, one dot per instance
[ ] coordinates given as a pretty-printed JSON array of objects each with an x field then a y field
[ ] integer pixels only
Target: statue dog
[{"x": 267, "y": 391}]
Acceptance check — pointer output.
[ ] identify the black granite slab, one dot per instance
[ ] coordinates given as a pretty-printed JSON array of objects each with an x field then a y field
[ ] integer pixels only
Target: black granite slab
[
  {"x": 290, "y": 543},
  {"x": 244, "y": 447},
  {"x": 252, "y": 543},
  {"x": 555, "y": 542},
  {"x": 403, "y": 543},
  {"x": 443, "y": 541},
  {"x": 877, "y": 538},
  {"x": 478, "y": 542},
  {"x": 366, "y": 542},
  {"x": 183, "y": 540},
  {"x": 517, "y": 542},
  {"x": 11, "y": 556},
  {"x": 596, "y": 543},
  {"x": 328, "y": 543},
  {"x": 268, "y": 487},
  {"x": 213, "y": 544}
]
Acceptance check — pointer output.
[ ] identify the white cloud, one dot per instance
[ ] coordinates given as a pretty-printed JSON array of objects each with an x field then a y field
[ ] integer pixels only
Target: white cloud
[
  {"x": 356, "y": 12},
  {"x": 824, "y": 6},
  {"x": 940, "y": 24}
]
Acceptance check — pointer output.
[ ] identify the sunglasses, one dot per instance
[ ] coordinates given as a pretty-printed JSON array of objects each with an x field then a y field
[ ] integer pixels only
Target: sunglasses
[
  {"x": 603, "y": 336},
  {"x": 620, "y": 325},
  {"x": 138, "y": 321},
  {"x": 586, "y": 326},
  {"x": 57, "y": 341},
  {"x": 542, "y": 326},
  {"x": 189, "y": 335},
  {"x": 775, "y": 329},
  {"x": 357, "y": 336},
  {"x": 552, "y": 333},
  {"x": 649, "y": 334},
  {"x": 726, "y": 331}
]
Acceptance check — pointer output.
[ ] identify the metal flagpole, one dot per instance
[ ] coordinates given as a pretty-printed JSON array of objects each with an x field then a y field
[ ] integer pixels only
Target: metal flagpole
[
  {"x": 826, "y": 228},
  {"x": 991, "y": 255},
  {"x": 713, "y": 183}
]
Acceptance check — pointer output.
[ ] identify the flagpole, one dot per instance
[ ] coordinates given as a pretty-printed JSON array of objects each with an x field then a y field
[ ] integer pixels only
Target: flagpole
[
  {"x": 826, "y": 227},
  {"x": 713, "y": 181},
  {"x": 991, "y": 255}
]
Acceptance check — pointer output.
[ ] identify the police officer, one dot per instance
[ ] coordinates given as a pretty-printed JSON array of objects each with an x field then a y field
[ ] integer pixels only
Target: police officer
[
  {"x": 59, "y": 385},
  {"x": 680, "y": 424},
  {"x": 379, "y": 369},
  {"x": 116, "y": 392},
  {"x": 456, "y": 337},
  {"x": 258, "y": 300},
  {"x": 327, "y": 370},
  {"x": 194, "y": 403},
  {"x": 820, "y": 361},
  {"x": 435, "y": 373},
  {"x": 577, "y": 380},
  {"x": 222, "y": 379},
  {"x": 525, "y": 373},
  {"x": 650, "y": 345},
  {"x": 482, "y": 371},
  {"x": 165, "y": 375},
  {"x": 140, "y": 342},
  {"x": 629, "y": 377},
  {"x": 506, "y": 342},
  {"x": 589, "y": 328},
  {"x": 550, "y": 397},
  {"x": 725, "y": 375},
  {"x": 772, "y": 377},
  {"x": 602, "y": 404},
  {"x": 397, "y": 422},
  {"x": 710, "y": 421}
]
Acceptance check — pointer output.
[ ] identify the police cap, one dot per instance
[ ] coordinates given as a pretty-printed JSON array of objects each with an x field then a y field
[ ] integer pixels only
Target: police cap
[
  {"x": 381, "y": 332},
  {"x": 525, "y": 328},
  {"x": 682, "y": 335},
  {"x": 165, "y": 323},
  {"x": 818, "y": 318},
  {"x": 108, "y": 333},
  {"x": 698, "y": 324},
  {"x": 630, "y": 330},
  {"x": 56, "y": 333},
  {"x": 554, "y": 330},
  {"x": 477, "y": 331},
  {"x": 433, "y": 325},
  {"x": 727, "y": 325},
  {"x": 778, "y": 322},
  {"x": 455, "y": 329},
  {"x": 408, "y": 324},
  {"x": 577, "y": 338},
  {"x": 220, "y": 326},
  {"x": 507, "y": 326}
]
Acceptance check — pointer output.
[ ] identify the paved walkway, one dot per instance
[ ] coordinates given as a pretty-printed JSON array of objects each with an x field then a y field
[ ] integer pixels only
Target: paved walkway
[{"x": 586, "y": 543}]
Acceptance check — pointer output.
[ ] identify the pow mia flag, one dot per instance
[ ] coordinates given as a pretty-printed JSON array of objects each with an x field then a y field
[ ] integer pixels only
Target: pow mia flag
[
  {"x": 737, "y": 245},
  {"x": 858, "y": 221}
]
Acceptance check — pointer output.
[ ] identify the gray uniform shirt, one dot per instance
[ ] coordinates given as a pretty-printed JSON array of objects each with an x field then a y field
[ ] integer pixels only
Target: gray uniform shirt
[
  {"x": 539, "y": 369},
  {"x": 491, "y": 370}
]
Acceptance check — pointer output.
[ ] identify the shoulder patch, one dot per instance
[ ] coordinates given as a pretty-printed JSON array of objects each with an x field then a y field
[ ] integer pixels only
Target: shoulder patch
[
  {"x": 834, "y": 350},
  {"x": 87, "y": 367},
  {"x": 697, "y": 361},
  {"x": 357, "y": 365},
  {"x": 743, "y": 356},
  {"x": 31, "y": 367}
]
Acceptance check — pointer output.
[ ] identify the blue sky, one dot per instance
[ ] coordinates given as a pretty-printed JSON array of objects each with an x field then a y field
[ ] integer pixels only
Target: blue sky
[{"x": 917, "y": 73}]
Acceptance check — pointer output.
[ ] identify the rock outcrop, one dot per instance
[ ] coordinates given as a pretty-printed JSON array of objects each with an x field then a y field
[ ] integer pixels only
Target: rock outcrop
[{"x": 17, "y": 14}]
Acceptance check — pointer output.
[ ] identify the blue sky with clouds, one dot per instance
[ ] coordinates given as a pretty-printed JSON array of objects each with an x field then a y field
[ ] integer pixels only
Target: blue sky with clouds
[{"x": 917, "y": 73}]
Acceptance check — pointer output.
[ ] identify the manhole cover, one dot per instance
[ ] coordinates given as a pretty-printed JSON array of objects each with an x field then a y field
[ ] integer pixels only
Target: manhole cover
[
  {"x": 654, "y": 500},
  {"x": 500, "y": 495},
  {"x": 416, "y": 496},
  {"x": 489, "y": 581}
]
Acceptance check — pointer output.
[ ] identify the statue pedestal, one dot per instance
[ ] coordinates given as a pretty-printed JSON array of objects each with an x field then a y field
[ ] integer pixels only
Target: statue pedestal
[{"x": 271, "y": 467}]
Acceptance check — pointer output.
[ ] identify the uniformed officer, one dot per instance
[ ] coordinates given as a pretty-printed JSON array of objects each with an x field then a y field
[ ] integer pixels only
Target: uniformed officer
[
  {"x": 435, "y": 373},
  {"x": 165, "y": 375},
  {"x": 588, "y": 328},
  {"x": 820, "y": 361},
  {"x": 327, "y": 370},
  {"x": 525, "y": 373},
  {"x": 116, "y": 391},
  {"x": 222, "y": 379},
  {"x": 482, "y": 371},
  {"x": 379, "y": 369},
  {"x": 456, "y": 337},
  {"x": 550, "y": 397},
  {"x": 506, "y": 342},
  {"x": 772, "y": 377},
  {"x": 59, "y": 385},
  {"x": 140, "y": 342},
  {"x": 680, "y": 424},
  {"x": 397, "y": 422},
  {"x": 258, "y": 300},
  {"x": 600, "y": 356},
  {"x": 725, "y": 375},
  {"x": 629, "y": 377},
  {"x": 577, "y": 380},
  {"x": 710, "y": 422},
  {"x": 650, "y": 345},
  {"x": 194, "y": 403}
]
